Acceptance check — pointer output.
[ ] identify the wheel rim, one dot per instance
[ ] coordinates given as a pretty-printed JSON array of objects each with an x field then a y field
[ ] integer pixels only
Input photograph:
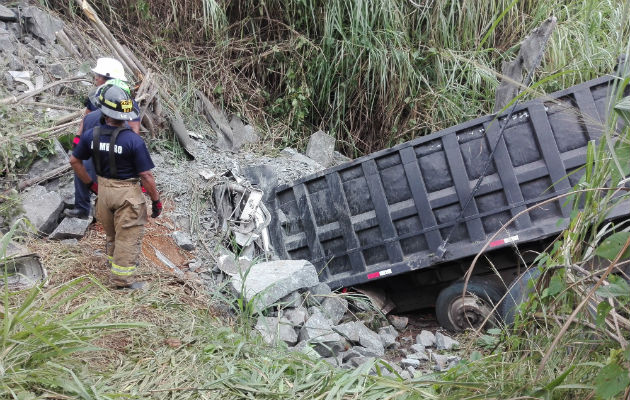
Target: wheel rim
[{"x": 469, "y": 312}]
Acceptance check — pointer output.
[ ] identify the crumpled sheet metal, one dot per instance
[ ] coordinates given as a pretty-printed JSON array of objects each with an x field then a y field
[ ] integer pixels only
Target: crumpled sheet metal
[{"x": 21, "y": 269}]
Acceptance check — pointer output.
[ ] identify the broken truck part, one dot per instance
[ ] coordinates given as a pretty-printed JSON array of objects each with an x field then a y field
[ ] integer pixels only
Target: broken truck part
[
  {"x": 412, "y": 217},
  {"x": 21, "y": 269}
]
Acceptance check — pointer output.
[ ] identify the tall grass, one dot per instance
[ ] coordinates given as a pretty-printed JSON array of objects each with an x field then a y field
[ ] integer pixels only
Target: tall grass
[{"x": 372, "y": 73}]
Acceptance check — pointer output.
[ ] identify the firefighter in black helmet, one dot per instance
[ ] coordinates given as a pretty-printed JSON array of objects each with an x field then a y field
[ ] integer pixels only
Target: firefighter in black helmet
[{"x": 122, "y": 162}]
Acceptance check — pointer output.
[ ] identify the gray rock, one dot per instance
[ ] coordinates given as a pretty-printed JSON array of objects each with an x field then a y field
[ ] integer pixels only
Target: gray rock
[
  {"x": 364, "y": 351},
  {"x": 43, "y": 166},
  {"x": 41, "y": 24},
  {"x": 270, "y": 281},
  {"x": 442, "y": 362},
  {"x": 301, "y": 158},
  {"x": 349, "y": 354},
  {"x": 7, "y": 42},
  {"x": 317, "y": 331},
  {"x": 357, "y": 332},
  {"x": 242, "y": 134},
  {"x": 70, "y": 242},
  {"x": 317, "y": 294},
  {"x": 42, "y": 208},
  {"x": 71, "y": 228},
  {"x": 400, "y": 323},
  {"x": 358, "y": 361},
  {"x": 57, "y": 70},
  {"x": 273, "y": 329},
  {"x": 297, "y": 316},
  {"x": 420, "y": 355},
  {"x": 388, "y": 330},
  {"x": 410, "y": 362},
  {"x": 183, "y": 240},
  {"x": 443, "y": 342},
  {"x": 339, "y": 158},
  {"x": 320, "y": 148},
  {"x": 388, "y": 341},
  {"x": 293, "y": 299},
  {"x": 417, "y": 348},
  {"x": 335, "y": 308},
  {"x": 348, "y": 330},
  {"x": 6, "y": 14},
  {"x": 426, "y": 338}
]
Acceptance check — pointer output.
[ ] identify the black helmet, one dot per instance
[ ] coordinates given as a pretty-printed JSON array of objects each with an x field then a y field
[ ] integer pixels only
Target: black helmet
[{"x": 116, "y": 103}]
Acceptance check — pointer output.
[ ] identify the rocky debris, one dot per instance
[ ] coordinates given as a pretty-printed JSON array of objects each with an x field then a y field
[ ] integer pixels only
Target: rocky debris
[
  {"x": 398, "y": 322},
  {"x": 42, "y": 208},
  {"x": 41, "y": 24},
  {"x": 267, "y": 282},
  {"x": 443, "y": 342},
  {"x": 42, "y": 166},
  {"x": 444, "y": 362},
  {"x": 334, "y": 308},
  {"x": 426, "y": 338},
  {"x": 410, "y": 362},
  {"x": 300, "y": 158},
  {"x": 71, "y": 228},
  {"x": 388, "y": 335},
  {"x": 242, "y": 134},
  {"x": 183, "y": 240},
  {"x": 7, "y": 15},
  {"x": 321, "y": 148},
  {"x": 317, "y": 332},
  {"x": 273, "y": 329}
]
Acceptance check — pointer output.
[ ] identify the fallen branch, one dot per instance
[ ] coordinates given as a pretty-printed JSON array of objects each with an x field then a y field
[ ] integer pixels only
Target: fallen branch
[
  {"x": 109, "y": 39},
  {"x": 43, "y": 178},
  {"x": 26, "y": 95},
  {"x": 50, "y": 105}
]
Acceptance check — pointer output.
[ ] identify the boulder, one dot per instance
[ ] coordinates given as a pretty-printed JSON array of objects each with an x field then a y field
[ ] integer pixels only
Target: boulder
[
  {"x": 334, "y": 308},
  {"x": 183, "y": 240},
  {"x": 7, "y": 42},
  {"x": 267, "y": 282},
  {"x": 317, "y": 331},
  {"x": 315, "y": 295},
  {"x": 41, "y": 24},
  {"x": 71, "y": 228},
  {"x": 54, "y": 161},
  {"x": 297, "y": 316},
  {"x": 293, "y": 299},
  {"x": 410, "y": 362},
  {"x": 321, "y": 148},
  {"x": 42, "y": 208},
  {"x": 357, "y": 332},
  {"x": 400, "y": 323},
  {"x": 242, "y": 134},
  {"x": 443, "y": 342},
  {"x": 426, "y": 338},
  {"x": 7, "y": 15},
  {"x": 273, "y": 329}
]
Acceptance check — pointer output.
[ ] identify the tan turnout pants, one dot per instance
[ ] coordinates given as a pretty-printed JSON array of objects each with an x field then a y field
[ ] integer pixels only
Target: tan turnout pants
[{"x": 121, "y": 209}]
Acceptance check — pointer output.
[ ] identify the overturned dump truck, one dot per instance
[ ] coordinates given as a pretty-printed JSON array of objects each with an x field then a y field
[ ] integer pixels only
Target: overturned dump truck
[{"x": 412, "y": 218}]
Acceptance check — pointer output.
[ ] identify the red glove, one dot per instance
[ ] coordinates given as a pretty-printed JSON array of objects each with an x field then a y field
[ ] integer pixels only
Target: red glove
[
  {"x": 75, "y": 141},
  {"x": 156, "y": 207},
  {"x": 93, "y": 186},
  {"x": 143, "y": 189}
]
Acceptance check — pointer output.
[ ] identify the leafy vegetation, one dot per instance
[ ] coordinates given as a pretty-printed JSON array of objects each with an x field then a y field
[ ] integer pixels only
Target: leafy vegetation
[{"x": 372, "y": 73}]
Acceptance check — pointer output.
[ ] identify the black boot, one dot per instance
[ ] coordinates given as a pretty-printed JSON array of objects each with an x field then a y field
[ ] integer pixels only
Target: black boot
[{"x": 76, "y": 213}]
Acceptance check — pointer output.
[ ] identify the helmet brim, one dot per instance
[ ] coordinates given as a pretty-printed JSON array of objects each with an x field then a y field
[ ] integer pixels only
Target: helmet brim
[{"x": 120, "y": 116}]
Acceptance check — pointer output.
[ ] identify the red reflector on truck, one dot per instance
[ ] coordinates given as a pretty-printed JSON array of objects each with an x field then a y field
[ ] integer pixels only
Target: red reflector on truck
[
  {"x": 504, "y": 241},
  {"x": 379, "y": 273}
]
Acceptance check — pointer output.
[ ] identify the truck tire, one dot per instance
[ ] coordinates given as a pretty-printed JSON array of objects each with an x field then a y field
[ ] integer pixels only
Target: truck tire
[
  {"x": 518, "y": 293},
  {"x": 457, "y": 313}
]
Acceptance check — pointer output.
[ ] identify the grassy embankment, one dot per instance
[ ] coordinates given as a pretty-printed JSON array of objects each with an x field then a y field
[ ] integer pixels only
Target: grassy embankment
[{"x": 78, "y": 338}]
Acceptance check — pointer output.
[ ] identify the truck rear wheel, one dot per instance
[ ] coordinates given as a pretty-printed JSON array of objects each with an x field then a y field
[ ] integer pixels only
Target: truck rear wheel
[
  {"x": 457, "y": 313},
  {"x": 518, "y": 293}
]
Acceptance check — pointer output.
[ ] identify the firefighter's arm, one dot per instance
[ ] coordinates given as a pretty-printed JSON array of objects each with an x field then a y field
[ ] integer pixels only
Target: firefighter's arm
[
  {"x": 82, "y": 174},
  {"x": 147, "y": 180}
]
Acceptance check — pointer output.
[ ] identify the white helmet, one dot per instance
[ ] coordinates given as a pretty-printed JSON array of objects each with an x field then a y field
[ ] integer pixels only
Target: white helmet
[{"x": 110, "y": 68}]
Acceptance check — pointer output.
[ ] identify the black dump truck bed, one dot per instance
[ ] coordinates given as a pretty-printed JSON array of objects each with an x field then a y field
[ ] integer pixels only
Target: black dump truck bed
[{"x": 389, "y": 212}]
